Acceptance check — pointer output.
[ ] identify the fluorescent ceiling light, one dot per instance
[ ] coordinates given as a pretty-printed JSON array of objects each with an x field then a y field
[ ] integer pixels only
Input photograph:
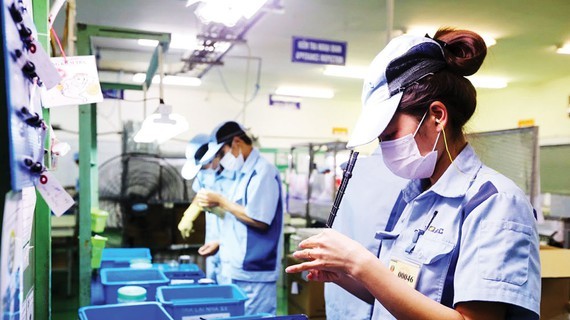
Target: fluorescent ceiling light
[
  {"x": 422, "y": 30},
  {"x": 178, "y": 41},
  {"x": 322, "y": 93},
  {"x": 488, "y": 82},
  {"x": 346, "y": 71},
  {"x": 162, "y": 126},
  {"x": 147, "y": 42},
  {"x": 227, "y": 12},
  {"x": 565, "y": 49},
  {"x": 170, "y": 80}
]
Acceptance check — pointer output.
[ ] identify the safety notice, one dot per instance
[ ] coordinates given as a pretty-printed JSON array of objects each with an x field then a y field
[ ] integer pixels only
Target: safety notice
[{"x": 318, "y": 51}]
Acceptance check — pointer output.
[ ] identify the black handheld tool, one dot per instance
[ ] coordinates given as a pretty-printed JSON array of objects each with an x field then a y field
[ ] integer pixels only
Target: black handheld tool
[{"x": 345, "y": 177}]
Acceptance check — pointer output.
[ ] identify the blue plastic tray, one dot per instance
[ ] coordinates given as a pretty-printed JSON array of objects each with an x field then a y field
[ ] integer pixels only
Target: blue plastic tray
[
  {"x": 114, "y": 278},
  {"x": 121, "y": 257},
  {"x": 213, "y": 300},
  {"x": 139, "y": 311},
  {"x": 269, "y": 316},
  {"x": 181, "y": 272}
]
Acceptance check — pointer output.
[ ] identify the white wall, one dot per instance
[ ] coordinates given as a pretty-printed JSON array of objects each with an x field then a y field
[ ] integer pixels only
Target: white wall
[{"x": 547, "y": 104}]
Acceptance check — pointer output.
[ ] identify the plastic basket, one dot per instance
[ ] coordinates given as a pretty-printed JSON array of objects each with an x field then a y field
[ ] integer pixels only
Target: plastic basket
[
  {"x": 98, "y": 220},
  {"x": 97, "y": 248},
  {"x": 121, "y": 257},
  {"x": 139, "y": 311},
  {"x": 269, "y": 316},
  {"x": 114, "y": 278},
  {"x": 253, "y": 316},
  {"x": 189, "y": 302},
  {"x": 181, "y": 272}
]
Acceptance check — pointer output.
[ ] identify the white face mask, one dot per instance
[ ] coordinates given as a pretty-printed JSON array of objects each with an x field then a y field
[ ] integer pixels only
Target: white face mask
[
  {"x": 231, "y": 162},
  {"x": 404, "y": 159}
]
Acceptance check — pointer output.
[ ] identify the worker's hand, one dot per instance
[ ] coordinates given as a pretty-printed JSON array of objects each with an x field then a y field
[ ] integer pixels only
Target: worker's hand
[
  {"x": 217, "y": 211},
  {"x": 187, "y": 222},
  {"x": 329, "y": 255},
  {"x": 209, "y": 249},
  {"x": 208, "y": 199}
]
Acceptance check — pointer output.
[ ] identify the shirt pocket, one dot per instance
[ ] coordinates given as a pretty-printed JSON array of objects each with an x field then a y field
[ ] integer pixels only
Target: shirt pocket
[
  {"x": 504, "y": 251},
  {"x": 430, "y": 251}
]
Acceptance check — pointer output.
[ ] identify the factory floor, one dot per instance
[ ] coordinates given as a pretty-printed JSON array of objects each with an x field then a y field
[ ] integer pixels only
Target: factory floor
[{"x": 64, "y": 306}]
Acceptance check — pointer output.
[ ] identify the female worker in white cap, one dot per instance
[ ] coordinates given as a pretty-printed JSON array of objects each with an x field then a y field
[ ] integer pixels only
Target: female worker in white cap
[
  {"x": 202, "y": 165},
  {"x": 461, "y": 241}
]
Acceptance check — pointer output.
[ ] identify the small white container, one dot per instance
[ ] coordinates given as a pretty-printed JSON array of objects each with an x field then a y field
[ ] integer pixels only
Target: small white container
[{"x": 131, "y": 294}]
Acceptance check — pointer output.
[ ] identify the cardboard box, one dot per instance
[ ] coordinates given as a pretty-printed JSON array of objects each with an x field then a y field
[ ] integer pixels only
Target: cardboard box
[
  {"x": 555, "y": 273},
  {"x": 303, "y": 296}
]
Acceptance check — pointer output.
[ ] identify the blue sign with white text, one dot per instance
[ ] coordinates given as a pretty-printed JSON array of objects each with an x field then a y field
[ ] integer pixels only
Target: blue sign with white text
[{"x": 319, "y": 51}]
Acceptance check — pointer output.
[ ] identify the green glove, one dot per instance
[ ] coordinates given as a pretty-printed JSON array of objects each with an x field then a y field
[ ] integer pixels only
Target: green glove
[{"x": 187, "y": 222}]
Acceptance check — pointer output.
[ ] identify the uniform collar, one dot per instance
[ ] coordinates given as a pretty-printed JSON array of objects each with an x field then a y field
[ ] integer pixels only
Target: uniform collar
[
  {"x": 227, "y": 174},
  {"x": 454, "y": 182},
  {"x": 250, "y": 162}
]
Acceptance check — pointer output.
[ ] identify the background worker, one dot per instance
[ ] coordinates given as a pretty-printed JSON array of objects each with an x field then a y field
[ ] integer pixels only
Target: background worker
[
  {"x": 250, "y": 249},
  {"x": 462, "y": 240},
  {"x": 363, "y": 211},
  {"x": 203, "y": 166}
]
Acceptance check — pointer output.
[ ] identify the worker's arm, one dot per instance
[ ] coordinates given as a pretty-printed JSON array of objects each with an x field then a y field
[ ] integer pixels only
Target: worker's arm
[
  {"x": 208, "y": 199},
  {"x": 337, "y": 254}
]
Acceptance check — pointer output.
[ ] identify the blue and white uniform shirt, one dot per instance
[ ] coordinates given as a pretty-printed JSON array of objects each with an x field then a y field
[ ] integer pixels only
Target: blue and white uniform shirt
[
  {"x": 249, "y": 254},
  {"x": 472, "y": 236}
]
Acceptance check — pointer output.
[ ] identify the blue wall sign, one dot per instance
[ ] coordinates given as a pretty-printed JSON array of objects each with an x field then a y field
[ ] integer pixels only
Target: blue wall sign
[{"x": 318, "y": 51}]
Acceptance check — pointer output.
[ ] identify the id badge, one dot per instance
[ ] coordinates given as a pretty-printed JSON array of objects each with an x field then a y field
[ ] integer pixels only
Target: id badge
[{"x": 405, "y": 270}]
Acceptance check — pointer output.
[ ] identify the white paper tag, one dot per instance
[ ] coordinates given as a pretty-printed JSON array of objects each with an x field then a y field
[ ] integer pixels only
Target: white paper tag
[
  {"x": 53, "y": 193},
  {"x": 79, "y": 83}
]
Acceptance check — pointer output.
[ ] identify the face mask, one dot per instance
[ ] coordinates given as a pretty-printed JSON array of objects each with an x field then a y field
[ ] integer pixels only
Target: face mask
[
  {"x": 404, "y": 159},
  {"x": 232, "y": 163},
  {"x": 207, "y": 178}
]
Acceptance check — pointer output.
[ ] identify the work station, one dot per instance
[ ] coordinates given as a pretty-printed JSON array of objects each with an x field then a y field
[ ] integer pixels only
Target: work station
[{"x": 284, "y": 159}]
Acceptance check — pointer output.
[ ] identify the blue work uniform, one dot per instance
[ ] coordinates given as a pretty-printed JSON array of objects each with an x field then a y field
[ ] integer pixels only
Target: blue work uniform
[
  {"x": 252, "y": 258},
  {"x": 362, "y": 212},
  {"x": 222, "y": 183},
  {"x": 472, "y": 236}
]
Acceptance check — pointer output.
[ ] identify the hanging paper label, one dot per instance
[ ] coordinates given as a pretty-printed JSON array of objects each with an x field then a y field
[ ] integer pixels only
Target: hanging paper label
[
  {"x": 58, "y": 200},
  {"x": 79, "y": 84}
]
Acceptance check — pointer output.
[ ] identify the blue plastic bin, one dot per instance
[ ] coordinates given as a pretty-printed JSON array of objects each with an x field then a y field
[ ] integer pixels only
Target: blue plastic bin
[
  {"x": 215, "y": 301},
  {"x": 114, "y": 278},
  {"x": 181, "y": 272},
  {"x": 139, "y": 311},
  {"x": 269, "y": 316},
  {"x": 252, "y": 317},
  {"x": 121, "y": 257}
]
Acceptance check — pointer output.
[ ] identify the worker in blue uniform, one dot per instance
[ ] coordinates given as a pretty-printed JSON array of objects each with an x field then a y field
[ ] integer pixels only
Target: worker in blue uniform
[
  {"x": 461, "y": 241},
  {"x": 250, "y": 247},
  {"x": 202, "y": 165},
  {"x": 363, "y": 211}
]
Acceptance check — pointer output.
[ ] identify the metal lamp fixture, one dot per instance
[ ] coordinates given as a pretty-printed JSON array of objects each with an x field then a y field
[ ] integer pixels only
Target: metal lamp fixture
[{"x": 162, "y": 125}]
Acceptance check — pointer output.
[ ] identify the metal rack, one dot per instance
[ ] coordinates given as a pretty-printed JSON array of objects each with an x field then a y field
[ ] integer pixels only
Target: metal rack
[{"x": 304, "y": 162}]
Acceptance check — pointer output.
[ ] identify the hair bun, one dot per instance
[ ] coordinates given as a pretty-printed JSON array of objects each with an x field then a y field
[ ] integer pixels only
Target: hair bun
[{"x": 464, "y": 50}]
